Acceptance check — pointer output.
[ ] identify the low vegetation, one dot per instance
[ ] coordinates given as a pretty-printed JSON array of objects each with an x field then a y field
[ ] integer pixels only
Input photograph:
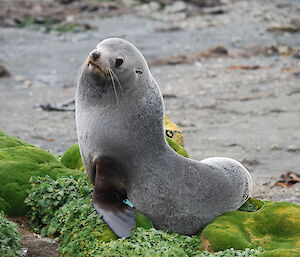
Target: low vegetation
[
  {"x": 10, "y": 241},
  {"x": 62, "y": 208}
]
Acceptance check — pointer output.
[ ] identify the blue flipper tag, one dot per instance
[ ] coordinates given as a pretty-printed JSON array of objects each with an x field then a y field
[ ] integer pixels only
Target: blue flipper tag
[{"x": 130, "y": 204}]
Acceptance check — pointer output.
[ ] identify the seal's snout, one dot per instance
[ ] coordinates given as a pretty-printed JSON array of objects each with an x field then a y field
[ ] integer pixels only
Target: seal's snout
[
  {"x": 95, "y": 54},
  {"x": 96, "y": 63}
]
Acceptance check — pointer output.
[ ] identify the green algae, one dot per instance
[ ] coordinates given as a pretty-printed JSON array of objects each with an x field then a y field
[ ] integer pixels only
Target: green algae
[
  {"x": 19, "y": 161},
  {"x": 275, "y": 227}
]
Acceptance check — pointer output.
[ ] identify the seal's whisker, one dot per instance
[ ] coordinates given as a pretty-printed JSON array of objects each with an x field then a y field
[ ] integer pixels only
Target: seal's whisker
[
  {"x": 117, "y": 81},
  {"x": 114, "y": 86}
]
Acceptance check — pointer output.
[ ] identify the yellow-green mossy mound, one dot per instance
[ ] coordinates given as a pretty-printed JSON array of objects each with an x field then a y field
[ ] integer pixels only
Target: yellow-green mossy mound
[
  {"x": 19, "y": 161},
  {"x": 72, "y": 158},
  {"x": 275, "y": 227}
]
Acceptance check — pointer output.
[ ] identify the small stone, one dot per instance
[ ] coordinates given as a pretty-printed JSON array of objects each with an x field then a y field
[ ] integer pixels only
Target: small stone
[
  {"x": 148, "y": 9},
  {"x": 154, "y": 6},
  {"x": 20, "y": 78},
  {"x": 293, "y": 148},
  {"x": 70, "y": 19},
  {"x": 27, "y": 83},
  {"x": 128, "y": 3},
  {"x": 275, "y": 147},
  {"x": 297, "y": 55},
  {"x": 235, "y": 40},
  {"x": 4, "y": 72},
  {"x": 178, "y": 6},
  {"x": 250, "y": 162}
]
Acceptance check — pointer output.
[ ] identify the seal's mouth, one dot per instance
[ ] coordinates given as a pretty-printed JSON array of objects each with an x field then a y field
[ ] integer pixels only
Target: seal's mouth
[{"x": 94, "y": 67}]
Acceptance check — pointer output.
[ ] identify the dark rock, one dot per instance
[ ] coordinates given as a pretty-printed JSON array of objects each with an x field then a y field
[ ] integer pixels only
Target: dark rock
[
  {"x": 66, "y": 1},
  {"x": 4, "y": 72}
]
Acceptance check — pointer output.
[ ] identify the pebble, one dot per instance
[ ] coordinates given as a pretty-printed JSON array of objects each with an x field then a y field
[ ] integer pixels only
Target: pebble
[
  {"x": 148, "y": 9},
  {"x": 178, "y": 6},
  {"x": 293, "y": 148},
  {"x": 275, "y": 147},
  {"x": 20, "y": 78},
  {"x": 27, "y": 83}
]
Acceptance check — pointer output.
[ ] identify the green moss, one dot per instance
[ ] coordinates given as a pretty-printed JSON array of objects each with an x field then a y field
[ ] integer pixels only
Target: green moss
[
  {"x": 274, "y": 227},
  {"x": 142, "y": 221},
  {"x": 72, "y": 158},
  {"x": 176, "y": 147},
  {"x": 20, "y": 161},
  {"x": 282, "y": 253},
  {"x": 251, "y": 205}
]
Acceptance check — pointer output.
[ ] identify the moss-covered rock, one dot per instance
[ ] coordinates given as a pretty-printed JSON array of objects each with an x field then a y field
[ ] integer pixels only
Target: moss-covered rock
[
  {"x": 19, "y": 161},
  {"x": 251, "y": 205},
  {"x": 173, "y": 132},
  {"x": 176, "y": 147},
  {"x": 275, "y": 227},
  {"x": 72, "y": 158}
]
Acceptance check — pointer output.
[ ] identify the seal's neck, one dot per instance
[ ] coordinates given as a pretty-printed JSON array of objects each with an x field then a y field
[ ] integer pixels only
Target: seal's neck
[{"x": 134, "y": 122}]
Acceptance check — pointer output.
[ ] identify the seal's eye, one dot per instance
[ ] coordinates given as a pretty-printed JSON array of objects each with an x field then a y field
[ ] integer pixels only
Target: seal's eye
[{"x": 119, "y": 62}]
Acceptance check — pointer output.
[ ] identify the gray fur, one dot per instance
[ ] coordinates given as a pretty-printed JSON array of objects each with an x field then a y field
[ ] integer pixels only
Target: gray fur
[{"x": 178, "y": 194}]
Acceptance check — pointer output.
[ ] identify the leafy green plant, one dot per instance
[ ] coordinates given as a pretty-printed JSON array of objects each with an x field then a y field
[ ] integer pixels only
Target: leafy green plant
[
  {"x": 234, "y": 253},
  {"x": 63, "y": 208},
  {"x": 10, "y": 240},
  {"x": 48, "y": 195}
]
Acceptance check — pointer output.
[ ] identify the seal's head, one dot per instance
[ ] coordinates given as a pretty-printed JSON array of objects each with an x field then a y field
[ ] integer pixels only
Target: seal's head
[{"x": 115, "y": 60}]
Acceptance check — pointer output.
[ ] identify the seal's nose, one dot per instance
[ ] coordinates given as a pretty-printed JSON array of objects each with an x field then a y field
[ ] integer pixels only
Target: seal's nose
[{"x": 95, "y": 55}]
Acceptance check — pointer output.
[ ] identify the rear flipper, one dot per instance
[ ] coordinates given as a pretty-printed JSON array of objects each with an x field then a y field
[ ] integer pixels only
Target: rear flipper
[
  {"x": 121, "y": 221},
  {"x": 109, "y": 194}
]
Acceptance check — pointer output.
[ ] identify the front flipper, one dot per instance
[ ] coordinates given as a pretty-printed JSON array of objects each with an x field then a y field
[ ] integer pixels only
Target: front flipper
[
  {"x": 109, "y": 195},
  {"x": 120, "y": 221}
]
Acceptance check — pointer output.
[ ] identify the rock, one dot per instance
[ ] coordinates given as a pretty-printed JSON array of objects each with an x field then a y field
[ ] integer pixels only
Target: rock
[
  {"x": 292, "y": 27},
  {"x": 27, "y": 83},
  {"x": 275, "y": 147},
  {"x": 250, "y": 162},
  {"x": 148, "y": 9},
  {"x": 4, "y": 72},
  {"x": 275, "y": 227},
  {"x": 235, "y": 40},
  {"x": 293, "y": 148},
  {"x": 168, "y": 28},
  {"x": 129, "y": 3},
  {"x": 205, "y": 3},
  {"x": 177, "y": 7},
  {"x": 154, "y": 6},
  {"x": 20, "y": 78},
  {"x": 297, "y": 55},
  {"x": 66, "y": 1}
]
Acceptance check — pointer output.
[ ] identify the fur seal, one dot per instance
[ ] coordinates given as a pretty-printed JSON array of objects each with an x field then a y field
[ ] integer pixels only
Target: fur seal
[{"x": 119, "y": 119}]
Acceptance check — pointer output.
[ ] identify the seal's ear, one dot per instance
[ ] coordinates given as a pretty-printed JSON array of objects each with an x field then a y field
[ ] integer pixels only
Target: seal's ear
[{"x": 138, "y": 71}]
